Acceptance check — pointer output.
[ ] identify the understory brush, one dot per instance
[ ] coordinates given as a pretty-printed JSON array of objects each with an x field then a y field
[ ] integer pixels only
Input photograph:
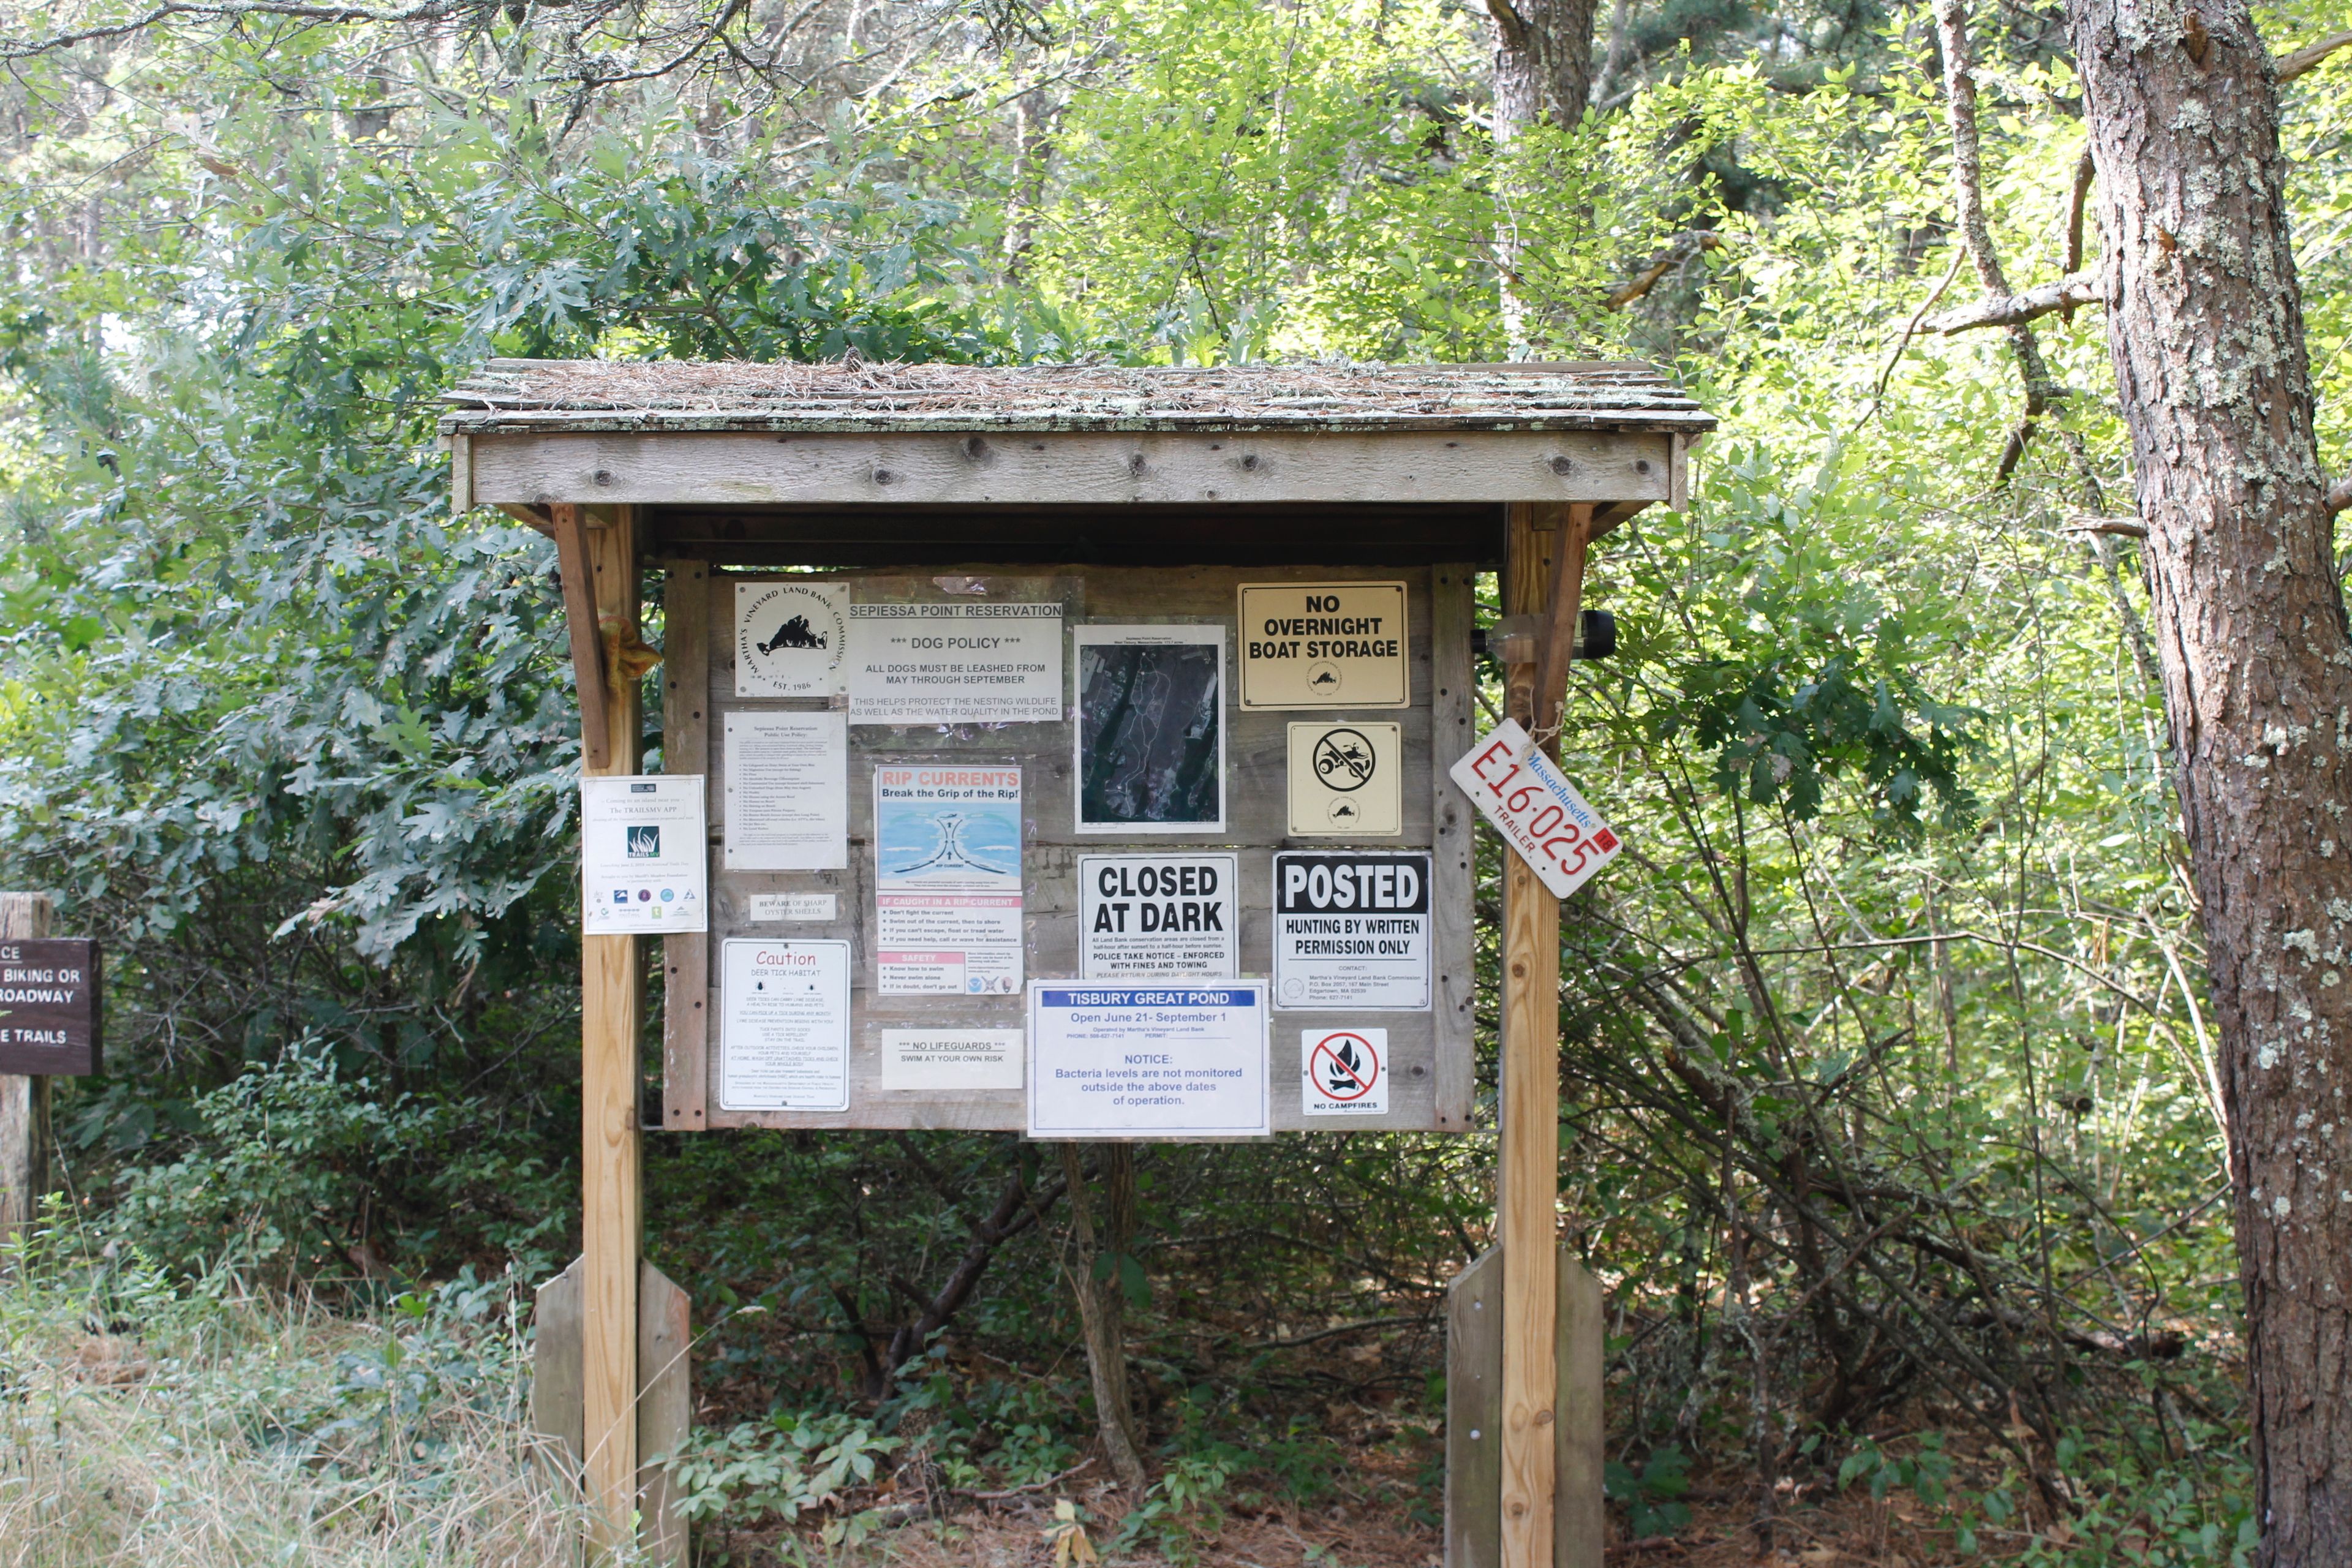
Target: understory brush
[{"x": 167, "y": 1425}]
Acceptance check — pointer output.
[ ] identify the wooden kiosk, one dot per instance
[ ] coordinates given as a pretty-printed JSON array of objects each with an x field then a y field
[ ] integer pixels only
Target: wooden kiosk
[{"x": 1133, "y": 507}]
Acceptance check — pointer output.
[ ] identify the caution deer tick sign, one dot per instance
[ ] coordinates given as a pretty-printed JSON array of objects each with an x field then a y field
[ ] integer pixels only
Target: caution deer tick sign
[{"x": 1347, "y": 1072}]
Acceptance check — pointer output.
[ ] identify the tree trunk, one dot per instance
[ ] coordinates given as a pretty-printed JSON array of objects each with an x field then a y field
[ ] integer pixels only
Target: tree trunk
[
  {"x": 1543, "y": 76},
  {"x": 2205, "y": 325},
  {"x": 1102, "y": 1315},
  {"x": 1543, "y": 63}
]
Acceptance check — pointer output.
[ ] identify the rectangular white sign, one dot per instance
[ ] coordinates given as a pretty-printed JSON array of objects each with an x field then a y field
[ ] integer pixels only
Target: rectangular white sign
[
  {"x": 1159, "y": 917},
  {"x": 966, "y": 663},
  {"x": 784, "y": 1025},
  {"x": 1345, "y": 1072},
  {"x": 765, "y": 907},
  {"x": 1167, "y": 1061},
  {"x": 1351, "y": 930},
  {"x": 644, "y": 863},
  {"x": 1535, "y": 808},
  {"x": 787, "y": 801},
  {"x": 947, "y": 878},
  {"x": 941, "y": 1060}
]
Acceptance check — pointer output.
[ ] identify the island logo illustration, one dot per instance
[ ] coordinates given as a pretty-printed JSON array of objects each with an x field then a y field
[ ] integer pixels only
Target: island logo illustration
[{"x": 789, "y": 640}]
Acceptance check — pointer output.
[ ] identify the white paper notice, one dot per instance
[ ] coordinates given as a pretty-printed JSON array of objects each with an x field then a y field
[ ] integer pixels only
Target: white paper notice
[
  {"x": 1158, "y": 917},
  {"x": 1346, "y": 1072},
  {"x": 947, "y": 880},
  {"x": 927, "y": 1060},
  {"x": 783, "y": 1037},
  {"x": 791, "y": 639},
  {"x": 1173, "y": 1061},
  {"x": 787, "y": 792},
  {"x": 955, "y": 664},
  {"x": 793, "y": 907},
  {"x": 644, "y": 865},
  {"x": 1352, "y": 931}
]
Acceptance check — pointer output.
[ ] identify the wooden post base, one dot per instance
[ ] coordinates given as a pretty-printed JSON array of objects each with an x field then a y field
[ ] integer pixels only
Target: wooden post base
[
  {"x": 23, "y": 1100},
  {"x": 1474, "y": 1418},
  {"x": 664, "y": 1394}
]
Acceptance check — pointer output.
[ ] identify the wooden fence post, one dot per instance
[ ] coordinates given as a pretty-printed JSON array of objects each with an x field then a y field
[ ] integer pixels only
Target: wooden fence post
[
  {"x": 612, "y": 1008},
  {"x": 24, "y": 1100}
]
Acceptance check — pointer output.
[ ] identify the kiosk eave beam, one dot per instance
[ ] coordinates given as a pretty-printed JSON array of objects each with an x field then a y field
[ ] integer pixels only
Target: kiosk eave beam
[{"x": 1092, "y": 467}]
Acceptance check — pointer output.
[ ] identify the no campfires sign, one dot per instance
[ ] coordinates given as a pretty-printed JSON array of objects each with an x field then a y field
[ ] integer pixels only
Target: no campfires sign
[{"x": 1347, "y": 1072}]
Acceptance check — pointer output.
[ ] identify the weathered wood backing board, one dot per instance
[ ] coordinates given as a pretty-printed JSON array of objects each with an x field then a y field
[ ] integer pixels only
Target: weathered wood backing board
[{"x": 1430, "y": 1052}]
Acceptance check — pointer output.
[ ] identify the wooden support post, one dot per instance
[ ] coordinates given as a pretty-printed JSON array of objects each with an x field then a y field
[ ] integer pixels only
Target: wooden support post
[
  {"x": 1543, "y": 577},
  {"x": 686, "y": 749},
  {"x": 612, "y": 1006},
  {"x": 582, "y": 607},
  {"x": 24, "y": 1099}
]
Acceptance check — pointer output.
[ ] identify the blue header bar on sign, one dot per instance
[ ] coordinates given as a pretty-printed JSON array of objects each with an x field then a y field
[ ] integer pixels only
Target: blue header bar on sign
[{"x": 1223, "y": 996}]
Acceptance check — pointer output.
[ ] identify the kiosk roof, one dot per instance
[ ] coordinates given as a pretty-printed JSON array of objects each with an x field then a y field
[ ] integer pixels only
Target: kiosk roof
[{"x": 590, "y": 396}]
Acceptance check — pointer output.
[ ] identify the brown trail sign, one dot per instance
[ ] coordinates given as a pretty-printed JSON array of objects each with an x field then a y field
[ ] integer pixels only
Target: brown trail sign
[
  {"x": 50, "y": 1026},
  {"x": 1105, "y": 709}
]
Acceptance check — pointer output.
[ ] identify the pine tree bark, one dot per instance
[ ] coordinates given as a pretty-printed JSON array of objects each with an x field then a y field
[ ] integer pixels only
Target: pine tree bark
[
  {"x": 2205, "y": 327},
  {"x": 1543, "y": 63},
  {"x": 1543, "y": 76}
]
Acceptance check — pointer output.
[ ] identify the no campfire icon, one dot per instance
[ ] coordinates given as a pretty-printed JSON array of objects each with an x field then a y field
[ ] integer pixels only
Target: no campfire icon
[{"x": 1347, "y": 1074}]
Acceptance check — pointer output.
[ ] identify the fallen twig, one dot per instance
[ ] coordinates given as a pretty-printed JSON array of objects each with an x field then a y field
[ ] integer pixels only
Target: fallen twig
[{"x": 1011, "y": 1492}]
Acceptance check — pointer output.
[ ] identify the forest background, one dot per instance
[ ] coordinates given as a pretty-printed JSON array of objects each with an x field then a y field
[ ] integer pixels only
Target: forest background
[{"x": 1890, "y": 1115}]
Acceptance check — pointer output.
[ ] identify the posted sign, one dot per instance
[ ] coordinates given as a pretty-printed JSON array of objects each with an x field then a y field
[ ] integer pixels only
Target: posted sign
[
  {"x": 1535, "y": 808},
  {"x": 1352, "y": 931},
  {"x": 49, "y": 1006}
]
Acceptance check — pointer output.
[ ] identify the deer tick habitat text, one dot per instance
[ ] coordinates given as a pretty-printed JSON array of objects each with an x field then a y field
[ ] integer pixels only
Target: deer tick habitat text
[{"x": 1324, "y": 645}]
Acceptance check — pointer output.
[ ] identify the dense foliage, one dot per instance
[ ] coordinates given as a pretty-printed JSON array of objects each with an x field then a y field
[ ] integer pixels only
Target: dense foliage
[{"x": 1889, "y": 1105}]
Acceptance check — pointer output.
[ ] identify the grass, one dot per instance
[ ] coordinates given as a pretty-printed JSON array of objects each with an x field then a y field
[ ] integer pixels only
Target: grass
[{"x": 213, "y": 1425}]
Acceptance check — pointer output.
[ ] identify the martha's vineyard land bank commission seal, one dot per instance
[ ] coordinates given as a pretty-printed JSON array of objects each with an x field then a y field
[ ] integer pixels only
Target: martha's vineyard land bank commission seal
[{"x": 789, "y": 639}]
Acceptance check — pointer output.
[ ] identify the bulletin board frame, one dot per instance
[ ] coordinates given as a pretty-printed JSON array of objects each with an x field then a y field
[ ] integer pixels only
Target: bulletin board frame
[{"x": 1433, "y": 1053}]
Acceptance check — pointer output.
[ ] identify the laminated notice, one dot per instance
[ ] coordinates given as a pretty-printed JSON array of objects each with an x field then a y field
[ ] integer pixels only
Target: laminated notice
[
  {"x": 947, "y": 880},
  {"x": 962, "y": 663},
  {"x": 937, "y": 1061},
  {"x": 1161, "y": 1061},
  {"x": 644, "y": 865},
  {"x": 783, "y": 1017}
]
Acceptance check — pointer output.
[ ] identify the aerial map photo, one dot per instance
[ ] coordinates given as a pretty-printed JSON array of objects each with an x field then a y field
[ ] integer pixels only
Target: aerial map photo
[{"x": 1151, "y": 730}]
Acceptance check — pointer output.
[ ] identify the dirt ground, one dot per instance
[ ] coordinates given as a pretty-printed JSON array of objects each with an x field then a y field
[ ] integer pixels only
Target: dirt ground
[{"x": 1377, "y": 1528}]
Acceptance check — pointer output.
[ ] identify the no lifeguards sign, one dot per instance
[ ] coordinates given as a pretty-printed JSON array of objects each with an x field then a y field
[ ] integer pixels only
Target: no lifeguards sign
[
  {"x": 49, "y": 1006},
  {"x": 1536, "y": 809}
]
